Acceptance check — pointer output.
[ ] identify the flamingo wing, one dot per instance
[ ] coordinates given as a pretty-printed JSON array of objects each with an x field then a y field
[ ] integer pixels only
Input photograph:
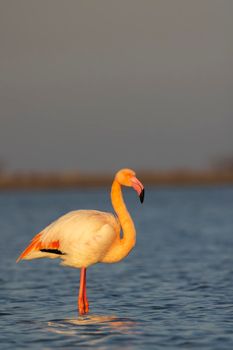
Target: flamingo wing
[
  {"x": 37, "y": 247},
  {"x": 79, "y": 238}
]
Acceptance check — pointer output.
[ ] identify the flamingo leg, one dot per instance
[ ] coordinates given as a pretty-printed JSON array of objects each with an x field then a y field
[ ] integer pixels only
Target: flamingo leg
[
  {"x": 86, "y": 304},
  {"x": 82, "y": 298}
]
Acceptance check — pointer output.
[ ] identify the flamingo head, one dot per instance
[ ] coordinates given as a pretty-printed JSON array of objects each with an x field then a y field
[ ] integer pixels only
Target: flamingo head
[{"x": 127, "y": 177}]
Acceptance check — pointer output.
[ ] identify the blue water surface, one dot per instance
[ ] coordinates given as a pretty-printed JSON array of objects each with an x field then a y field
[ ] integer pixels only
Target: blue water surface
[{"x": 174, "y": 291}]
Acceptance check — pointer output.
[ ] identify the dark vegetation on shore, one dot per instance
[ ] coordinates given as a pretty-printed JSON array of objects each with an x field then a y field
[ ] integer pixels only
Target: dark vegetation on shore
[{"x": 78, "y": 180}]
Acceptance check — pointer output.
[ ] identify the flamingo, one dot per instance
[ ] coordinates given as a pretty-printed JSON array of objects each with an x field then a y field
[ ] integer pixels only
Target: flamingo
[{"x": 82, "y": 238}]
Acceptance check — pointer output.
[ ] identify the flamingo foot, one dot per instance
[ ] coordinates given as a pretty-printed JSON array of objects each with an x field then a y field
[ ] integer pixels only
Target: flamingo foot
[
  {"x": 83, "y": 306},
  {"x": 86, "y": 305}
]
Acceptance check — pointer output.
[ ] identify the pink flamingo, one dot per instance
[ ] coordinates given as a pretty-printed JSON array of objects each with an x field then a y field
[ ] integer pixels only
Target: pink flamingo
[{"x": 85, "y": 237}]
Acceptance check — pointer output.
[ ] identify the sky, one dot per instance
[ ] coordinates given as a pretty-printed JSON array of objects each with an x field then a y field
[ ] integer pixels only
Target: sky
[{"x": 95, "y": 86}]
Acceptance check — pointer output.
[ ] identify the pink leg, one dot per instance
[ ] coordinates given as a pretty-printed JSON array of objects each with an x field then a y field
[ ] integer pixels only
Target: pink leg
[
  {"x": 85, "y": 294},
  {"x": 82, "y": 298}
]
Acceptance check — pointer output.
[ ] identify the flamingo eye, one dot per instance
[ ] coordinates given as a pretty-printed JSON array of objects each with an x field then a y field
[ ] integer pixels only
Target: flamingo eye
[{"x": 129, "y": 176}]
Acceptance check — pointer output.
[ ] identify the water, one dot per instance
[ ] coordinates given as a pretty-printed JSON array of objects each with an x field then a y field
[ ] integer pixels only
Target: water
[{"x": 174, "y": 291}]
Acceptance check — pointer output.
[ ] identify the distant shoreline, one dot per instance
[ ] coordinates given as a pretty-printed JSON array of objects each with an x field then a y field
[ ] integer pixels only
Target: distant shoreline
[{"x": 20, "y": 181}]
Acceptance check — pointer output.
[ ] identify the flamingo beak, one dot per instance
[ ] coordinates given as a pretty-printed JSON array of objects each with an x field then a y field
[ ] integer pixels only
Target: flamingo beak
[{"x": 139, "y": 188}]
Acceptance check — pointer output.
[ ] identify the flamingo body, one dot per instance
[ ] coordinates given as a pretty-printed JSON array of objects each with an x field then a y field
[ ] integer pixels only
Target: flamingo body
[
  {"x": 85, "y": 237},
  {"x": 80, "y": 238}
]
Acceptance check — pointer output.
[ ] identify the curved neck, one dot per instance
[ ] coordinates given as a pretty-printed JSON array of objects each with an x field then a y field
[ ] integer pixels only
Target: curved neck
[{"x": 127, "y": 242}]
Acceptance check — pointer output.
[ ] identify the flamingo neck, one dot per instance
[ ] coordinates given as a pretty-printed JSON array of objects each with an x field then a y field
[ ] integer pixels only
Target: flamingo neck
[{"x": 127, "y": 242}]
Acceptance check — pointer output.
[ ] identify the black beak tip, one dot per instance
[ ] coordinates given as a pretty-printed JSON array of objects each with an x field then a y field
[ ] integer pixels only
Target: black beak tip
[{"x": 142, "y": 194}]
